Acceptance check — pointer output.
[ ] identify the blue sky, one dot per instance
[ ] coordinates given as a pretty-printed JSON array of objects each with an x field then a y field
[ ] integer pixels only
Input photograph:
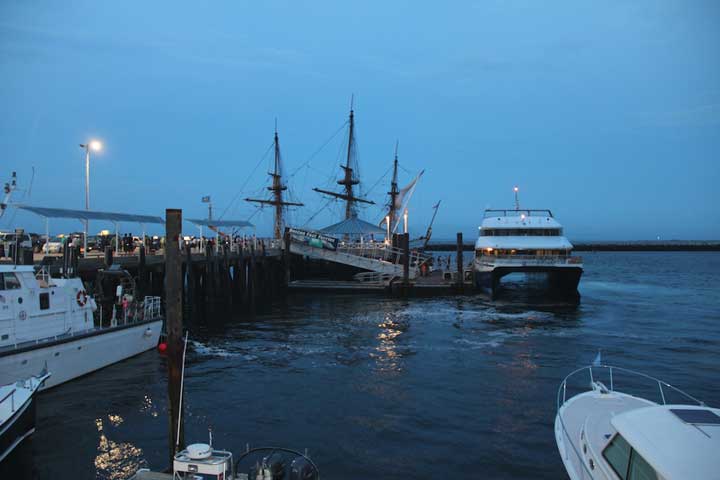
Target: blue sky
[{"x": 606, "y": 112}]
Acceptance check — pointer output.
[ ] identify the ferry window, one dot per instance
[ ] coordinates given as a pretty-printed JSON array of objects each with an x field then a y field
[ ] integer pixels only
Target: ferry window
[
  {"x": 8, "y": 281},
  {"x": 640, "y": 469},
  {"x": 44, "y": 301},
  {"x": 617, "y": 453}
]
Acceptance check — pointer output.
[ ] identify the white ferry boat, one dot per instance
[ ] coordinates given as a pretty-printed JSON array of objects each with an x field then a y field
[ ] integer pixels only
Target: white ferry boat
[
  {"x": 50, "y": 324},
  {"x": 607, "y": 434},
  {"x": 528, "y": 241}
]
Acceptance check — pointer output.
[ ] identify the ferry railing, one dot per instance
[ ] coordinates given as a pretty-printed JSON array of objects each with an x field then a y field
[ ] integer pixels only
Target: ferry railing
[
  {"x": 524, "y": 260},
  {"x": 562, "y": 394}
]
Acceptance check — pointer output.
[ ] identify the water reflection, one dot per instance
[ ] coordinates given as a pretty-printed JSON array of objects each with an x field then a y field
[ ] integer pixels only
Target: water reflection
[
  {"x": 388, "y": 354},
  {"x": 115, "y": 460}
]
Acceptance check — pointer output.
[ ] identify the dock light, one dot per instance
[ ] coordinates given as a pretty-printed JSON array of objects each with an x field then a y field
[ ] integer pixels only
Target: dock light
[
  {"x": 489, "y": 249},
  {"x": 95, "y": 146}
]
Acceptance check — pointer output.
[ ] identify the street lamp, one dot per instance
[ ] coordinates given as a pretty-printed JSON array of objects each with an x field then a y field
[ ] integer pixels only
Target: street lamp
[{"x": 96, "y": 146}]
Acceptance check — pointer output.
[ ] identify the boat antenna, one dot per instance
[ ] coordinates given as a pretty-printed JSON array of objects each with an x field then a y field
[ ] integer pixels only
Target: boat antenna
[
  {"x": 182, "y": 383},
  {"x": 517, "y": 201}
]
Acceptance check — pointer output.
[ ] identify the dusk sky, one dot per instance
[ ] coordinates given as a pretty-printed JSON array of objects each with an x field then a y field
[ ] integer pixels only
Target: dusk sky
[{"x": 606, "y": 112}]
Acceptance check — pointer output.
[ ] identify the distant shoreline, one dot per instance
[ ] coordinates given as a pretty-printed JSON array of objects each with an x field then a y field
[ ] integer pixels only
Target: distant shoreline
[{"x": 627, "y": 246}]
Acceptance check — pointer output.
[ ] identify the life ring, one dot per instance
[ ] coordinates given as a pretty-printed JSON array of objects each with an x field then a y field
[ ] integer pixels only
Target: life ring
[{"x": 81, "y": 298}]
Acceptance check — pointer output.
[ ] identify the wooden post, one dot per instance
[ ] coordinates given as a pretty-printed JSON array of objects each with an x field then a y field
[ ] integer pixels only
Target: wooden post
[
  {"x": 405, "y": 243},
  {"x": 286, "y": 255},
  {"x": 108, "y": 257},
  {"x": 174, "y": 322},
  {"x": 142, "y": 281},
  {"x": 460, "y": 280}
]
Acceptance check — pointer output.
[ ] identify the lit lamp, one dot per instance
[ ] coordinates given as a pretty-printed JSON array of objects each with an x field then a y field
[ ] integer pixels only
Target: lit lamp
[{"x": 96, "y": 146}]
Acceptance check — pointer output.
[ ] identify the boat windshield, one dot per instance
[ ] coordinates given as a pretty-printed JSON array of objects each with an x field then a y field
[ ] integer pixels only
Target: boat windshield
[{"x": 626, "y": 462}]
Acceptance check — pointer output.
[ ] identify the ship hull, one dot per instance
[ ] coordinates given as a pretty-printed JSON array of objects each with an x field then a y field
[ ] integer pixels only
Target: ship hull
[
  {"x": 18, "y": 427},
  {"x": 74, "y": 356},
  {"x": 561, "y": 281}
]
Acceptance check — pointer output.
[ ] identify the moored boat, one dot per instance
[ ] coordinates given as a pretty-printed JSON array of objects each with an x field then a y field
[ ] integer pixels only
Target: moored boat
[
  {"x": 54, "y": 324},
  {"x": 17, "y": 412},
  {"x": 605, "y": 433},
  {"x": 525, "y": 241}
]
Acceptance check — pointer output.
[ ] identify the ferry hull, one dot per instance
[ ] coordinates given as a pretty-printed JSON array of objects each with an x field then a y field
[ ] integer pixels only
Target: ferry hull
[
  {"x": 559, "y": 280},
  {"x": 71, "y": 357}
]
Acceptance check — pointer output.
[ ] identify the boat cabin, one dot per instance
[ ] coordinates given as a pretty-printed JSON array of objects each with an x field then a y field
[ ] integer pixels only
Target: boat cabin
[
  {"x": 521, "y": 233},
  {"x": 35, "y": 307},
  {"x": 665, "y": 442},
  {"x": 200, "y": 461}
]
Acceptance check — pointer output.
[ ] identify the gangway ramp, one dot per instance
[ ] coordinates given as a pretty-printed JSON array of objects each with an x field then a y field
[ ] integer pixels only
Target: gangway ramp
[{"x": 371, "y": 256}]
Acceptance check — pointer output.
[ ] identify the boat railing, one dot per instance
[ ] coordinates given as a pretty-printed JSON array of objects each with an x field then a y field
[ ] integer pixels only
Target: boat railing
[
  {"x": 595, "y": 373},
  {"x": 516, "y": 213},
  {"x": 152, "y": 308},
  {"x": 10, "y": 395},
  {"x": 531, "y": 259}
]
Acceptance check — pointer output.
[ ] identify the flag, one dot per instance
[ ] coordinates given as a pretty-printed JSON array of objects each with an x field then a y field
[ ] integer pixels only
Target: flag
[{"x": 206, "y": 199}]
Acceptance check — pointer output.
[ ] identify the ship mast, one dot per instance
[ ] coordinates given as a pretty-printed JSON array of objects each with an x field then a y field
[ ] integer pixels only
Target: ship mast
[
  {"x": 394, "y": 189},
  {"x": 277, "y": 188},
  {"x": 349, "y": 180}
]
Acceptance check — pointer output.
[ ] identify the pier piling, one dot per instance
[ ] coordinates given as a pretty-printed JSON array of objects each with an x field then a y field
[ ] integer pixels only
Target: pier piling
[
  {"x": 459, "y": 260},
  {"x": 174, "y": 324}
]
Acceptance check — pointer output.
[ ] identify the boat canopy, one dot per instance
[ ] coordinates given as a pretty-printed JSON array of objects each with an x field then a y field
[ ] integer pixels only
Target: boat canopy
[
  {"x": 353, "y": 226},
  {"x": 675, "y": 448},
  {"x": 48, "y": 212}
]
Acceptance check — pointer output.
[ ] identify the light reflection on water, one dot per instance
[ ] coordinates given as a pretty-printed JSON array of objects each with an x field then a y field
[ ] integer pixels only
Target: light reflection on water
[{"x": 116, "y": 460}]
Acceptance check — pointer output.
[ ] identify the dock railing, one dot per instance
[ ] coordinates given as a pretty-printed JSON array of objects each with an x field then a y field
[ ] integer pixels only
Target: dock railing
[{"x": 595, "y": 374}]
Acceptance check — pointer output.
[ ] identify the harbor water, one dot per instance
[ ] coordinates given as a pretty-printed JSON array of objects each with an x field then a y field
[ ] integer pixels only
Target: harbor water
[{"x": 378, "y": 387}]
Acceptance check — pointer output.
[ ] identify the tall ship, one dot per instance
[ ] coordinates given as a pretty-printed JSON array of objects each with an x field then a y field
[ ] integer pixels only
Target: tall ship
[
  {"x": 54, "y": 325},
  {"x": 525, "y": 241}
]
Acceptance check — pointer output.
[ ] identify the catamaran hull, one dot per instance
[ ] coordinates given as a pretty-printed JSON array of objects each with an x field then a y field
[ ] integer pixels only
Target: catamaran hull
[
  {"x": 559, "y": 280},
  {"x": 71, "y": 357},
  {"x": 18, "y": 427}
]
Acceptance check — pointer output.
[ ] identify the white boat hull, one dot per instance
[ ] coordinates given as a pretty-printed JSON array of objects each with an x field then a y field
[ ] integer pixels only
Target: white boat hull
[{"x": 72, "y": 358}]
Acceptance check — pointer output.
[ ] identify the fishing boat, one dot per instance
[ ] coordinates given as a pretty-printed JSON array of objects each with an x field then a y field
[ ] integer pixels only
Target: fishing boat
[
  {"x": 55, "y": 324},
  {"x": 527, "y": 241},
  {"x": 608, "y": 433},
  {"x": 17, "y": 412}
]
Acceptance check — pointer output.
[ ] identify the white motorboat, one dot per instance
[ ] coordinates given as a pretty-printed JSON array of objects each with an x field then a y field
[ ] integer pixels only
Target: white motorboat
[
  {"x": 605, "y": 433},
  {"x": 527, "y": 241},
  {"x": 54, "y": 324},
  {"x": 17, "y": 412}
]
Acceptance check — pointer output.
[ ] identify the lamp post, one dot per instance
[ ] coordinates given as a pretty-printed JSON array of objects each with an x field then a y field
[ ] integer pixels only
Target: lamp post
[
  {"x": 96, "y": 146},
  {"x": 517, "y": 201}
]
